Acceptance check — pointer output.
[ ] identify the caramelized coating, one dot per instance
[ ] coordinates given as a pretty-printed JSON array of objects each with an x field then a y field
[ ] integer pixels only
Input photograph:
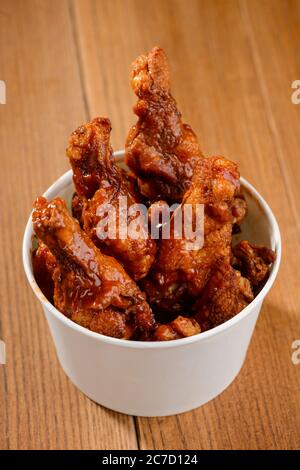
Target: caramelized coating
[
  {"x": 253, "y": 261},
  {"x": 185, "y": 326},
  {"x": 239, "y": 209},
  {"x": 89, "y": 153},
  {"x": 136, "y": 254},
  {"x": 100, "y": 182},
  {"x": 158, "y": 218},
  {"x": 44, "y": 264},
  {"x": 77, "y": 207},
  {"x": 181, "y": 327},
  {"x": 165, "y": 332},
  {"x": 160, "y": 149},
  {"x": 87, "y": 282},
  {"x": 180, "y": 274},
  {"x": 89, "y": 273},
  {"x": 225, "y": 295},
  {"x": 109, "y": 323}
]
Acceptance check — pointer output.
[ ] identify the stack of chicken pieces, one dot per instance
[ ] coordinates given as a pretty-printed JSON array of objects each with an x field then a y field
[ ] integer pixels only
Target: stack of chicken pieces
[{"x": 141, "y": 288}]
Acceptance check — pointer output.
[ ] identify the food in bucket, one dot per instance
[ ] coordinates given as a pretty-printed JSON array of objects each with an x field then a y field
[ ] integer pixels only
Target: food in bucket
[{"x": 146, "y": 253}]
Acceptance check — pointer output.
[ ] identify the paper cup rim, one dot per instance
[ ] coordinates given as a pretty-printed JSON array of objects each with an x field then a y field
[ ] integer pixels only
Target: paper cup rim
[{"x": 64, "y": 181}]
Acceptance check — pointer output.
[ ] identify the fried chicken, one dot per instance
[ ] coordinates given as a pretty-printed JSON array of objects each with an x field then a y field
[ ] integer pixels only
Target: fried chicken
[
  {"x": 160, "y": 149},
  {"x": 225, "y": 295},
  {"x": 88, "y": 265},
  {"x": 77, "y": 205},
  {"x": 253, "y": 261},
  {"x": 89, "y": 153},
  {"x": 239, "y": 211},
  {"x": 44, "y": 264},
  {"x": 181, "y": 271},
  {"x": 181, "y": 327},
  {"x": 103, "y": 187},
  {"x": 90, "y": 288}
]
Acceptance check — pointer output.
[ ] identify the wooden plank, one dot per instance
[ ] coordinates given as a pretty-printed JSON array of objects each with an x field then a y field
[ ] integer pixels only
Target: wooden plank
[
  {"x": 39, "y": 408},
  {"x": 276, "y": 59},
  {"x": 219, "y": 56}
]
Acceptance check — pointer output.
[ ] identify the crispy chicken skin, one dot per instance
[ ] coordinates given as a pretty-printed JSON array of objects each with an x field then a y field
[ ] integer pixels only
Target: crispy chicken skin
[
  {"x": 180, "y": 274},
  {"x": 160, "y": 149},
  {"x": 181, "y": 327},
  {"x": 239, "y": 210},
  {"x": 225, "y": 295},
  {"x": 99, "y": 181},
  {"x": 90, "y": 272},
  {"x": 253, "y": 261},
  {"x": 90, "y": 288},
  {"x": 136, "y": 254},
  {"x": 77, "y": 207},
  {"x": 44, "y": 264},
  {"x": 89, "y": 153}
]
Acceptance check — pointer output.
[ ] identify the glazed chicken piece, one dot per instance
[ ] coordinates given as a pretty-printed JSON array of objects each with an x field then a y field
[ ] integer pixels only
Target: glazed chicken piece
[
  {"x": 131, "y": 245},
  {"x": 239, "y": 211},
  {"x": 225, "y": 295},
  {"x": 44, "y": 264},
  {"x": 160, "y": 149},
  {"x": 99, "y": 183},
  {"x": 181, "y": 327},
  {"x": 89, "y": 152},
  {"x": 90, "y": 288},
  {"x": 182, "y": 270},
  {"x": 253, "y": 261},
  {"x": 77, "y": 207}
]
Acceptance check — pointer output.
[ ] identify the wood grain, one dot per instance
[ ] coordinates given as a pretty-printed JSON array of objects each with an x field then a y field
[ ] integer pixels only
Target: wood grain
[
  {"x": 232, "y": 66},
  {"x": 40, "y": 408},
  {"x": 222, "y": 78}
]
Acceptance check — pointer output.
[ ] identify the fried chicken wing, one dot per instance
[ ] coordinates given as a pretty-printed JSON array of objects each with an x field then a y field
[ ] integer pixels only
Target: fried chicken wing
[
  {"x": 77, "y": 207},
  {"x": 90, "y": 288},
  {"x": 253, "y": 261},
  {"x": 160, "y": 149},
  {"x": 89, "y": 153},
  {"x": 89, "y": 265},
  {"x": 102, "y": 184},
  {"x": 239, "y": 211},
  {"x": 180, "y": 273},
  {"x": 181, "y": 327},
  {"x": 225, "y": 295},
  {"x": 135, "y": 253},
  {"x": 44, "y": 264}
]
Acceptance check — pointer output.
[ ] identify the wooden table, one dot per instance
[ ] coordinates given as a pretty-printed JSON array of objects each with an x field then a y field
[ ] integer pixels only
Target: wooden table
[{"x": 233, "y": 63}]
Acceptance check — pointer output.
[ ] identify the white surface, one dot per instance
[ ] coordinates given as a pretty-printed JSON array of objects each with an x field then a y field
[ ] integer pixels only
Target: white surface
[{"x": 158, "y": 378}]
